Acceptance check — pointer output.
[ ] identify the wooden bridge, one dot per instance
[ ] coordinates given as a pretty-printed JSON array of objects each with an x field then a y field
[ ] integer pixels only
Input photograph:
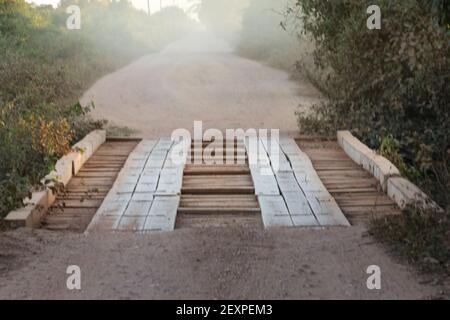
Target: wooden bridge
[{"x": 136, "y": 186}]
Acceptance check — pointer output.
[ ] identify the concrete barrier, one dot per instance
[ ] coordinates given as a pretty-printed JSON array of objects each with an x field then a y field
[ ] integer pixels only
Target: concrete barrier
[
  {"x": 399, "y": 189},
  {"x": 84, "y": 149},
  {"x": 405, "y": 193},
  {"x": 381, "y": 168},
  {"x": 35, "y": 208}
]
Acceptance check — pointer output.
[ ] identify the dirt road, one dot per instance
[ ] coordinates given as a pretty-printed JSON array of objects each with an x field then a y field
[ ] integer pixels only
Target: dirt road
[
  {"x": 198, "y": 78},
  {"x": 227, "y": 263}
]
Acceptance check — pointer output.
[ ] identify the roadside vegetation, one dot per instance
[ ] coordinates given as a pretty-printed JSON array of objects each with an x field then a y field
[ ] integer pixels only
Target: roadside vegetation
[
  {"x": 256, "y": 30},
  {"x": 265, "y": 37},
  {"x": 391, "y": 88},
  {"x": 44, "y": 69}
]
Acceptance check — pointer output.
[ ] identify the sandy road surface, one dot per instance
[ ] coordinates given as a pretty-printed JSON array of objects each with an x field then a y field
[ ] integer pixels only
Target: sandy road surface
[
  {"x": 198, "y": 78},
  {"x": 228, "y": 263}
]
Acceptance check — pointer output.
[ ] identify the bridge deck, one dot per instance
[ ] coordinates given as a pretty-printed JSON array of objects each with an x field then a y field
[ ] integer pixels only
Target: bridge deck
[
  {"x": 135, "y": 186},
  {"x": 356, "y": 191}
]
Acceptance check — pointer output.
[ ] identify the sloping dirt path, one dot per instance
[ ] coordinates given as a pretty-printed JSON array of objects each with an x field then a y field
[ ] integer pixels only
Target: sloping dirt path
[{"x": 198, "y": 78}]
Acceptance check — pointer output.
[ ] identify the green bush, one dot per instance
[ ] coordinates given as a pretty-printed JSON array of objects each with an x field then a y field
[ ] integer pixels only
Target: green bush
[
  {"x": 422, "y": 238},
  {"x": 391, "y": 87}
]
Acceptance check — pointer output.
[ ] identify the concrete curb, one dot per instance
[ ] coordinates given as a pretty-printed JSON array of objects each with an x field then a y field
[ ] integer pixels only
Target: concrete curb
[
  {"x": 381, "y": 168},
  {"x": 34, "y": 210},
  {"x": 65, "y": 168},
  {"x": 399, "y": 189},
  {"x": 405, "y": 193},
  {"x": 86, "y": 148}
]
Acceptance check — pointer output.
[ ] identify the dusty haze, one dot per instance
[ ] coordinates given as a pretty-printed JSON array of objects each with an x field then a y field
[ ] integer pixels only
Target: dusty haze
[{"x": 198, "y": 78}]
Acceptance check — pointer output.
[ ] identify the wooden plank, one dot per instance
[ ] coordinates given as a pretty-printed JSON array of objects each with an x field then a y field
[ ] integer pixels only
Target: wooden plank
[
  {"x": 149, "y": 176},
  {"x": 130, "y": 224},
  {"x": 56, "y": 212},
  {"x": 218, "y": 203},
  {"x": 90, "y": 182},
  {"x": 135, "y": 163},
  {"x": 299, "y": 210},
  {"x": 215, "y": 210},
  {"x": 264, "y": 182},
  {"x": 97, "y": 174},
  {"x": 148, "y": 181},
  {"x": 345, "y": 180},
  {"x": 278, "y": 160},
  {"x": 309, "y": 181},
  {"x": 217, "y": 183},
  {"x": 78, "y": 203},
  {"x": 171, "y": 177},
  {"x": 221, "y": 170},
  {"x": 230, "y": 197},
  {"x": 138, "y": 157},
  {"x": 124, "y": 188},
  {"x": 162, "y": 214},
  {"x": 257, "y": 156},
  {"x": 118, "y": 201},
  {"x": 296, "y": 202},
  {"x": 274, "y": 212},
  {"x": 138, "y": 208},
  {"x": 159, "y": 154},
  {"x": 87, "y": 170},
  {"x": 355, "y": 190},
  {"x": 322, "y": 204},
  {"x": 156, "y": 161},
  {"x": 127, "y": 178},
  {"x": 146, "y": 188},
  {"x": 326, "y": 210},
  {"x": 237, "y": 182},
  {"x": 218, "y": 190},
  {"x": 290, "y": 147},
  {"x": 113, "y": 196},
  {"x": 81, "y": 198},
  {"x": 170, "y": 181},
  {"x": 142, "y": 196},
  {"x": 219, "y": 194},
  {"x": 116, "y": 208},
  {"x": 373, "y": 209},
  {"x": 103, "y": 223},
  {"x": 90, "y": 188},
  {"x": 287, "y": 182},
  {"x": 365, "y": 202}
]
